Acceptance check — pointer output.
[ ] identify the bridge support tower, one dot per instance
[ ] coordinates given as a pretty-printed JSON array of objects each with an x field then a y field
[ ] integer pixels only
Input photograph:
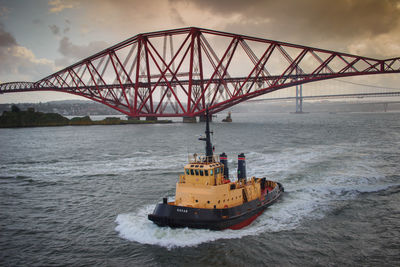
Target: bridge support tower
[{"x": 299, "y": 98}]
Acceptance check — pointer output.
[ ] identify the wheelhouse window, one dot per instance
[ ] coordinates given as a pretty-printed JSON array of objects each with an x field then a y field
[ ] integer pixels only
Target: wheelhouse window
[
  {"x": 206, "y": 172},
  {"x": 197, "y": 172},
  {"x": 187, "y": 171},
  {"x": 191, "y": 172},
  {"x": 201, "y": 173}
]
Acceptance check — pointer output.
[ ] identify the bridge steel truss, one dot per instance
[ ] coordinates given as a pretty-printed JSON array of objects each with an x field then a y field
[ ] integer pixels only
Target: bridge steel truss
[{"x": 179, "y": 72}]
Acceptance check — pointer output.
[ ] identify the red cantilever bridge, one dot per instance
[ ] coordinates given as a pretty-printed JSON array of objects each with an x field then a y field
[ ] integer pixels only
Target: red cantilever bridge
[{"x": 179, "y": 72}]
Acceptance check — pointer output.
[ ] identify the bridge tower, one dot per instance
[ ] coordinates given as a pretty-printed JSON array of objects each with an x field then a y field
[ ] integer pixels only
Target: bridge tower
[
  {"x": 299, "y": 93},
  {"x": 299, "y": 98}
]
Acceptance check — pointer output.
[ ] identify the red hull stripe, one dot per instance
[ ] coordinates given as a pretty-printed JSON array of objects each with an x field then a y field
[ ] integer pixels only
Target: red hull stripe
[
  {"x": 222, "y": 158},
  {"x": 241, "y": 158},
  {"x": 245, "y": 222}
]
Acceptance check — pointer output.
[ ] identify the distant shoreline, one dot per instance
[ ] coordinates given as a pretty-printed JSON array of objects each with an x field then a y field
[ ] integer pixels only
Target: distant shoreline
[{"x": 30, "y": 118}]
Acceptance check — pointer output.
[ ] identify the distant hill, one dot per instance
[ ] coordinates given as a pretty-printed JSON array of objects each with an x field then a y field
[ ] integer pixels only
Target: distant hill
[
  {"x": 66, "y": 108},
  {"x": 30, "y": 118}
]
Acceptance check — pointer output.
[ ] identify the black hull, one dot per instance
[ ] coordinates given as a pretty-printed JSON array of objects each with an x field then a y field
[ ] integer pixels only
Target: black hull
[{"x": 213, "y": 219}]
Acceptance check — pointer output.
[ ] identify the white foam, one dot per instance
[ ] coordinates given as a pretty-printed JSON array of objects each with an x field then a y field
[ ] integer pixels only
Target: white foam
[
  {"x": 136, "y": 227},
  {"x": 282, "y": 216}
]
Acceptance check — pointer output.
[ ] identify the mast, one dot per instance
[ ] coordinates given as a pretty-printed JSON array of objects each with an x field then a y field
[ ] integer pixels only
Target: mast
[{"x": 209, "y": 149}]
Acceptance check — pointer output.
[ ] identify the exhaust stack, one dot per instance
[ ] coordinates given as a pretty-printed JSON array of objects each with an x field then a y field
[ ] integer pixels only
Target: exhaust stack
[
  {"x": 223, "y": 158},
  {"x": 241, "y": 171}
]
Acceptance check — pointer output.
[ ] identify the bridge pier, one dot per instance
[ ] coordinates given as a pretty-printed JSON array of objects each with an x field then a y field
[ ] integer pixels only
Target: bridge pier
[
  {"x": 133, "y": 118},
  {"x": 299, "y": 98},
  {"x": 189, "y": 119},
  {"x": 151, "y": 118},
  {"x": 202, "y": 118}
]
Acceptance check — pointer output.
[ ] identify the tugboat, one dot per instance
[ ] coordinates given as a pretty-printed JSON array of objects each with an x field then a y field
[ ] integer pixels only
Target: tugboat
[
  {"x": 207, "y": 199},
  {"x": 228, "y": 118}
]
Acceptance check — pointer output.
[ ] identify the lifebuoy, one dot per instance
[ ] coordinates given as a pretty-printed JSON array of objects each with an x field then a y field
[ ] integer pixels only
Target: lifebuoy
[{"x": 226, "y": 206}]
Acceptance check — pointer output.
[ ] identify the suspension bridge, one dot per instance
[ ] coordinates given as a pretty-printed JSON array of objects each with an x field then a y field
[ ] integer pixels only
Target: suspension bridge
[
  {"x": 335, "y": 89},
  {"x": 178, "y": 73}
]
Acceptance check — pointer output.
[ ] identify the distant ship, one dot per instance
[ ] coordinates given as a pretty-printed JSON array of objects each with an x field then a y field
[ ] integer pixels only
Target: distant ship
[
  {"x": 228, "y": 118},
  {"x": 207, "y": 199}
]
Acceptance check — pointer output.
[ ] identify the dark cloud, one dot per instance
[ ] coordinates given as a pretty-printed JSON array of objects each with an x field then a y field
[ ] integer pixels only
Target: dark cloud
[
  {"x": 67, "y": 48},
  {"x": 73, "y": 52},
  {"x": 18, "y": 62},
  {"x": 57, "y": 30},
  {"x": 6, "y": 39},
  {"x": 54, "y": 29},
  {"x": 335, "y": 24},
  {"x": 342, "y": 17}
]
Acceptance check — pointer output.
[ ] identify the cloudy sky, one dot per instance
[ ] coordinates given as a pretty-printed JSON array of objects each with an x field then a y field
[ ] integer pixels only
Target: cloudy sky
[{"x": 39, "y": 37}]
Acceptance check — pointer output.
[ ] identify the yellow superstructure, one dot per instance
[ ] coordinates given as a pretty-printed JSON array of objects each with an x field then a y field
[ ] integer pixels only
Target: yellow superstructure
[{"x": 203, "y": 185}]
